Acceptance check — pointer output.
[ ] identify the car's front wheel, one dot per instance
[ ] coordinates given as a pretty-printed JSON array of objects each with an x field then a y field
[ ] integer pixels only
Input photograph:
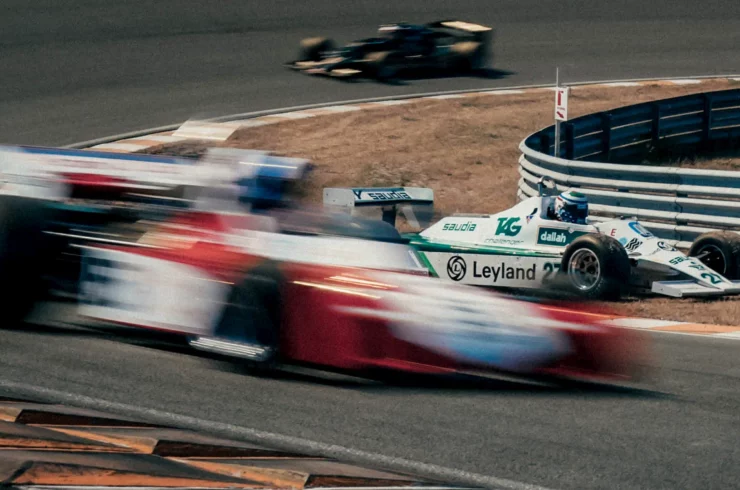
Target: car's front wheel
[
  {"x": 313, "y": 48},
  {"x": 26, "y": 253},
  {"x": 596, "y": 267},
  {"x": 384, "y": 66},
  {"x": 720, "y": 251}
]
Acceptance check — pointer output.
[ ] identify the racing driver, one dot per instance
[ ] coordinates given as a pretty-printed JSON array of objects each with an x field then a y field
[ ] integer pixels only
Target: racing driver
[{"x": 569, "y": 207}]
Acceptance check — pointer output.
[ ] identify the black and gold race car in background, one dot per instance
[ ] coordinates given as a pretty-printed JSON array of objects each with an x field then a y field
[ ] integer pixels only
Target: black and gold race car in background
[{"x": 450, "y": 47}]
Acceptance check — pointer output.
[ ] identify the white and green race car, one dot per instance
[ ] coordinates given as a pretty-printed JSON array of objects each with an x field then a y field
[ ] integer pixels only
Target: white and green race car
[{"x": 522, "y": 247}]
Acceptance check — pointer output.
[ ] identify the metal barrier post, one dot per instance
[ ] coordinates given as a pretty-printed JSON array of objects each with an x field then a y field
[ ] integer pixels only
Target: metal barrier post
[
  {"x": 569, "y": 141},
  {"x": 655, "y": 131},
  {"x": 706, "y": 123},
  {"x": 606, "y": 135},
  {"x": 545, "y": 144}
]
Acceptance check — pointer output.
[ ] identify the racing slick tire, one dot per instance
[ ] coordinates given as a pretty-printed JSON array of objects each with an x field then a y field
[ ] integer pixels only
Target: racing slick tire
[
  {"x": 720, "y": 251},
  {"x": 469, "y": 57},
  {"x": 25, "y": 253},
  {"x": 596, "y": 267},
  {"x": 383, "y": 65},
  {"x": 312, "y": 47},
  {"x": 252, "y": 314}
]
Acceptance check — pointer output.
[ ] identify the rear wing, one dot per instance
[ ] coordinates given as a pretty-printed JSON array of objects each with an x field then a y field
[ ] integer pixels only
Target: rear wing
[
  {"x": 480, "y": 32},
  {"x": 416, "y": 204},
  {"x": 49, "y": 173},
  {"x": 52, "y": 173}
]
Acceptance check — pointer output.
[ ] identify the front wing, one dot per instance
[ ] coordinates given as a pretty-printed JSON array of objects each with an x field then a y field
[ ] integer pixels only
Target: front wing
[
  {"x": 319, "y": 68},
  {"x": 690, "y": 288}
]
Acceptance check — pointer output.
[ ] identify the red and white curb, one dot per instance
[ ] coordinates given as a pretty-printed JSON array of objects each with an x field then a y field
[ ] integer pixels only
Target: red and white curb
[{"x": 222, "y": 131}]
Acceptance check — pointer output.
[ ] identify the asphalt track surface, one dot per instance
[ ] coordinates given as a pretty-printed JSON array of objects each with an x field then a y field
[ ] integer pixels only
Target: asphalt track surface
[{"x": 78, "y": 70}]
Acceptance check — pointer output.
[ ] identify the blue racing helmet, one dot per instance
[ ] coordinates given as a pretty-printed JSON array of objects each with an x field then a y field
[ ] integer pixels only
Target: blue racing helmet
[
  {"x": 270, "y": 181},
  {"x": 571, "y": 207}
]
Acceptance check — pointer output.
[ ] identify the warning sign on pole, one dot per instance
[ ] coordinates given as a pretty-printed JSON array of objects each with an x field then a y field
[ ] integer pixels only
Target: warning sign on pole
[{"x": 561, "y": 103}]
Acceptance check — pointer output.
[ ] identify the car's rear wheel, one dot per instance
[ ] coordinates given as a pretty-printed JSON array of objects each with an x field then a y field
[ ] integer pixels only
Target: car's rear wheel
[
  {"x": 720, "y": 251},
  {"x": 384, "y": 66},
  {"x": 596, "y": 267},
  {"x": 469, "y": 57}
]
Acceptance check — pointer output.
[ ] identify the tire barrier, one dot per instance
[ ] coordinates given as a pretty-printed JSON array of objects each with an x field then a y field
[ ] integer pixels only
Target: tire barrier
[{"x": 677, "y": 204}]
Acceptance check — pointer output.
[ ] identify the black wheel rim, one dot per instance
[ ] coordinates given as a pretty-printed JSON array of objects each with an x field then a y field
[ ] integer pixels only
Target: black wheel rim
[{"x": 713, "y": 257}]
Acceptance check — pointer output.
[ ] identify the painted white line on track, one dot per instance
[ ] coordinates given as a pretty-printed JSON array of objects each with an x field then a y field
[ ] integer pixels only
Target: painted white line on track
[
  {"x": 450, "y": 96},
  {"x": 295, "y": 115},
  {"x": 641, "y": 323},
  {"x": 128, "y": 147},
  {"x": 159, "y": 137},
  {"x": 410, "y": 97},
  {"x": 254, "y": 123},
  {"x": 500, "y": 92},
  {"x": 731, "y": 335},
  {"x": 621, "y": 84},
  {"x": 392, "y": 102},
  {"x": 340, "y": 108},
  {"x": 279, "y": 441}
]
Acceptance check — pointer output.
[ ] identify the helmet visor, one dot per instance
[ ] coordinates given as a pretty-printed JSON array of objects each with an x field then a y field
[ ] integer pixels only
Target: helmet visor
[{"x": 579, "y": 212}]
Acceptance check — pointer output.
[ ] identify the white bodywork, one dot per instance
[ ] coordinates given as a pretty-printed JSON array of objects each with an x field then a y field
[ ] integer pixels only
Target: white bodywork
[
  {"x": 521, "y": 247},
  {"x": 137, "y": 290},
  {"x": 126, "y": 286},
  {"x": 121, "y": 286},
  {"x": 655, "y": 259}
]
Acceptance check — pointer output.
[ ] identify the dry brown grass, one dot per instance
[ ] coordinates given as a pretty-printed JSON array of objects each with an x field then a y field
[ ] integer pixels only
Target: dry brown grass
[
  {"x": 465, "y": 149},
  {"x": 721, "y": 311}
]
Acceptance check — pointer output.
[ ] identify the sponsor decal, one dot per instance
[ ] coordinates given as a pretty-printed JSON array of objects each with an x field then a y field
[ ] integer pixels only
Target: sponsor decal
[
  {"x": 508, "y": 226},
  {"x": 459, "y": 226},
  {"x": 382, "y": 195},
  {"x": 456, "y": 268},
  {"x": 529, "y": 218},
  {"x": 633, "y": 245},
  {"x": 556, "y": 236},
  {"x": 664, "y": 246},
  {"x": 503, "y": 241},
  {"x": 706, "y": 273},
  {"x": 504, "y": 271},
  {"x": 551, "y": 271},
  {"x": 640, "y": 230}
]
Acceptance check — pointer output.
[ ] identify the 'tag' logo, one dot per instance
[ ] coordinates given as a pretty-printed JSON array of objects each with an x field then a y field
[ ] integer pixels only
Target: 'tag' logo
[
  {"x": 456, "y": 268},
  {"x": 508, "y": 226}
]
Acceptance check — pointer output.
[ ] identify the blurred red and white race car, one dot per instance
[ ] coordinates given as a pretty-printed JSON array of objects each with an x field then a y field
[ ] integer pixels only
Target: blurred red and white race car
[{"x": 240, "y": 274}]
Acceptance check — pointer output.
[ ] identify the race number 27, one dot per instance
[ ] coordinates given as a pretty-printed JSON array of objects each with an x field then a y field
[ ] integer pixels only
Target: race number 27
[{"x": 551, "y": 269}]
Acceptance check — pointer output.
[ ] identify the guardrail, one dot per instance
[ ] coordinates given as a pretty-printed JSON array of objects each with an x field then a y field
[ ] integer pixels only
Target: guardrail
[{"x": 677, "y": 204}]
